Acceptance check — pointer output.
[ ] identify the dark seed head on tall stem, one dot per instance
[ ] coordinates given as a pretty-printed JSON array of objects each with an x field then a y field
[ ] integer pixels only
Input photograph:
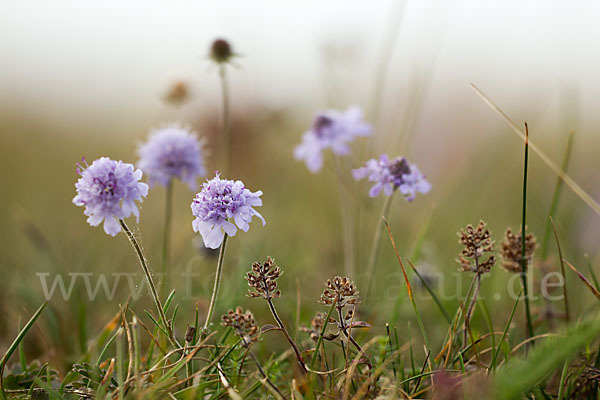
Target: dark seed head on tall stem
[
  {"x": 220, "y": 51},
  {"x": 243, "y": 325},
  {"x": 477, "y": 243},
  {"x": 263, "y": 279},
  {"x": 511, "y": 249},
  {"x": 341, "y": 291}
]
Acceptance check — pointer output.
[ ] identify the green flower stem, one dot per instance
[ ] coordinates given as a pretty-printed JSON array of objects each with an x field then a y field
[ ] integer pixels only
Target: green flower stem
[
  {"x": 523, "y": 236},
  {"x": 376, "y": 242},
  {"x": 226, "y": 119},
  {"x": 217, "y": 285},
  {"x": 167, "y": 232},
  {"x": 153, "y": 292}
]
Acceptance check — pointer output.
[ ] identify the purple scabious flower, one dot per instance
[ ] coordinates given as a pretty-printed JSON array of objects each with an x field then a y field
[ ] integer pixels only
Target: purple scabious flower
[
  {"x": 172, "y": 151},
  {"x": 220, "y": 201},
  {"x": 331, "y": 130},
  {"x": 109, "y": 189},
  {"x": 390, "y": 175}
]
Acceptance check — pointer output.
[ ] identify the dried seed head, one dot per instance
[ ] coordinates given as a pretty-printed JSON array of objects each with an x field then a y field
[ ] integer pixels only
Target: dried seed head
[
  {"x": 476, "y": 243},
  {"x": 340, "y": 291},
  {"x": 220, "y": 51},
  {"x": 263, "y": 278},
  {"x": 511, "y": 249},
  {"x": 189, "y": 334},
  {"x": 316, "y": 326},
  {"x": 243, "y": 324}
]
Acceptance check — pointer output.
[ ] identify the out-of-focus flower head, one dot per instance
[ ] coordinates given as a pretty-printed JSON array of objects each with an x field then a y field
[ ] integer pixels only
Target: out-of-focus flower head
[
  {"x": 331, "y": 130},
  {"x": 389, "y": 175},
  {"x": 219, "y": 202},
  {"x": 220, "y": 51},
  {"x": 109, "y": 189},
  {"x": 511, "y": 249},
  {"x": 177, "y": 93},
  {"x": 172, "y": 151}
]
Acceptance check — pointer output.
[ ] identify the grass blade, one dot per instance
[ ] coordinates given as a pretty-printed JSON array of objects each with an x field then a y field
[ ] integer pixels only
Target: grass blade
[
  {"x": 593, "y": 289},
  {"x": 512, "y": 314},
  {"x": 434, "y": 295},
  {"x": 582, "y": 194},
  {"x": 521, "y": 375},
  {"x": 556, "y": 196},
  {"x": 15, "y": 344},
  {"x": 562, "y": 270}
]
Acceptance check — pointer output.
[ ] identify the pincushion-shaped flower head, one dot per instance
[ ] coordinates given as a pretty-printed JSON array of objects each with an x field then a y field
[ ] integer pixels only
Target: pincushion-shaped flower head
[
  {"x": 219, "y": 202},
  {"x": 109, "y": 189},
  {"x": 172, "y": 151},
  {"x": 390, "y": 175},
  {"x": 331, "y": 130}
]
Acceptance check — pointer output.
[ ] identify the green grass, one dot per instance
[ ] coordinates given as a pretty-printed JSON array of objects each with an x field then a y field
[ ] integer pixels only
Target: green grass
[{"x": 404, "y": 339}]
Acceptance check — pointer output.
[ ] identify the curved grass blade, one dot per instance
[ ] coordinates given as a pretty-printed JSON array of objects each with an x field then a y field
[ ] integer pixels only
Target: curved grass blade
[
  {"x": 15, "y": 344},
  {"x": 519, "y": 376},
  {"x": 578, "y": 190}
]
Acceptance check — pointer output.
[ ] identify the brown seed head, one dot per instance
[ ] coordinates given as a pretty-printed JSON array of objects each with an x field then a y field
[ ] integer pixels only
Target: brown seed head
[
  {"x": 263, "y": 278},
  {"x": 243, "y": 325},
  {"x": 316, "y": 325},
  {"x": 511, "y": 249},
  {"x": 220, "y": 51},
  {"x": 341, "y": 291},
  {"x": 189, "y": 334},
  {"x": 476, "y": 244}
]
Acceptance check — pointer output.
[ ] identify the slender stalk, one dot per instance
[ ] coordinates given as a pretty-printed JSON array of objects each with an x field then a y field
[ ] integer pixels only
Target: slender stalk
[
  {"x": 167, "y": 231},
  {"x": 287, "y": 335},
  {"x": 376, "y": 242},
  {"x": 347, "y": 223},
  {"x": 469, "y": 312},
  {"x": 408, "y": 287},
  {"x": 523, "y": 235},
  {"x": 320, "y": 339},
  {"x": 120, "y": 362},
  {"x": 153, "y": 292},
  {"x": 556, "y": 196},
  {"x": 217, "y": 285},
  {"x": 226, "y": 121},
  {"x": 351, "y": 339},
  {"x": 562, "y": 270},
  {"x": 264, "y": 375}
]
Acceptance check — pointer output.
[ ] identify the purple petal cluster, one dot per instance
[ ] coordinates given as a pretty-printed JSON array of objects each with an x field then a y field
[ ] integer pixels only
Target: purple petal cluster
[
  {"x": 219, "y": 202},
  {"x": 109, "y": 189},
  {"x": 331, "y": 130},
  {"x": 172, "y": 151},
  {"x": 389, "y": 175}
]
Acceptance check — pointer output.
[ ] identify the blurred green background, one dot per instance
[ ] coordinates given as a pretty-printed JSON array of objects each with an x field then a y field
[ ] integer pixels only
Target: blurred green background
[{"x": 92, "y": 80}]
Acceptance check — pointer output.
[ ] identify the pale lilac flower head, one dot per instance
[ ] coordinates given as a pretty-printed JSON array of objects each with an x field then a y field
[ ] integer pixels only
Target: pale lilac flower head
[
  {"x": 109, "y": 189},
  {"x": 172, "y": 151},
  {"x": 390, "y": 175},
  {"x": 219, "y": 202},
  {"x": 331, "y": 130}
]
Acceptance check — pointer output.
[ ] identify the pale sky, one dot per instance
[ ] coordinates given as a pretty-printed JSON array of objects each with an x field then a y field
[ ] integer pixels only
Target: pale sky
[{"x": 85, "y": 58}]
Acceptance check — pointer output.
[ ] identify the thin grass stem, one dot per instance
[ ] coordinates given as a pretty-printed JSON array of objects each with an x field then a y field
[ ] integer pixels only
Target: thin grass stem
[
  {"x": 524, "y": 259},
  {"x": 217, "y": 285},
  {"x": 153, "y": 291},
  {"x": 226, "y": 130},
  {"x": 167, "y": 229},
  {"x": 562, "y": 271},
  {"x": 376, "y": 243}
]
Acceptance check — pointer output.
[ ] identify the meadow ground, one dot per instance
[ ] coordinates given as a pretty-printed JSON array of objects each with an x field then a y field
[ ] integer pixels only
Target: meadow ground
[{"x": 407, "y": 327}]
